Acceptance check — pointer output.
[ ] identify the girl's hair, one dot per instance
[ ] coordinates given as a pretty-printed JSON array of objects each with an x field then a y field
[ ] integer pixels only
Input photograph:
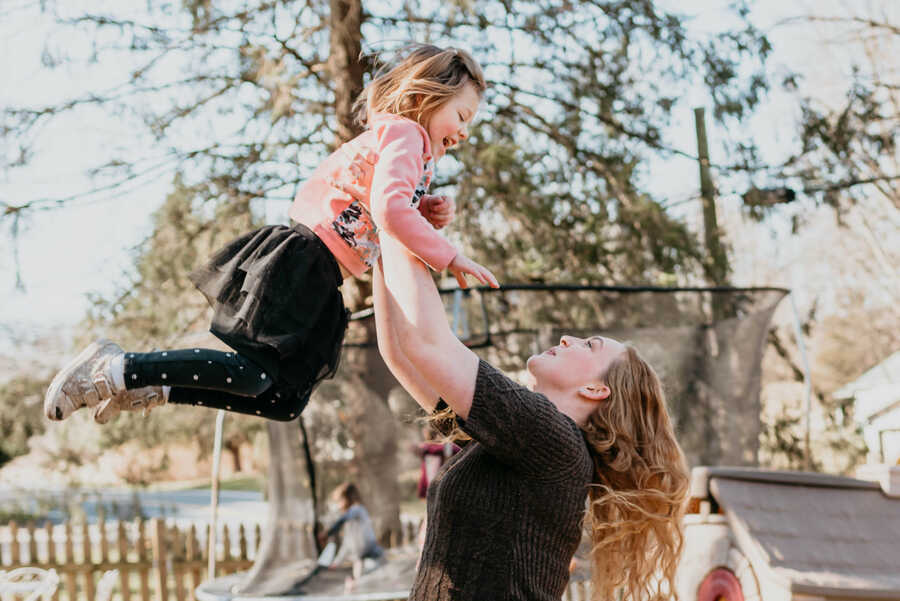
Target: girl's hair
[
  {"x": 640, "y": 488},
  {"x": 348, "y": 493},
  {"x": 420, "y": 81}
]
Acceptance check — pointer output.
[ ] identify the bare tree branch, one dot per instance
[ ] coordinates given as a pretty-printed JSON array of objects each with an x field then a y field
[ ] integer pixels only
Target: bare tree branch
[{"x": 862, "y": 21}]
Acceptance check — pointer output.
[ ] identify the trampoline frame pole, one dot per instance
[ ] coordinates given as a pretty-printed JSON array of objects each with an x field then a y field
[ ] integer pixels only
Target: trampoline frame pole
[
  {"x": 458, "y": 315},
  {"x": 214, "y": 493},
  {"x": 807, "y": 386}
]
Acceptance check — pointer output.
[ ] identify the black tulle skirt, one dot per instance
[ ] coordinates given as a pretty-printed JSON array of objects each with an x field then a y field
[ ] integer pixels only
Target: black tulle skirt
[{"x": 276, "y": 298}]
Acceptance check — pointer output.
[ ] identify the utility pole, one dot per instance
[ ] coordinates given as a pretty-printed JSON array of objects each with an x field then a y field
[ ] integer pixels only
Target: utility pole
[{"x": 716, "y": 264}]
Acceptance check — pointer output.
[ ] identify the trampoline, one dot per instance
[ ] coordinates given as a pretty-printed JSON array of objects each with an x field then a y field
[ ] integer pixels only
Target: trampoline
[
  {"x": 706, "y": 344},
  {"x": 387, "y": 582}
]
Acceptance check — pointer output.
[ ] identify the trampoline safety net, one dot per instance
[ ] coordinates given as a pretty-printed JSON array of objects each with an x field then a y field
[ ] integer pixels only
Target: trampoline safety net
[{"x": 706, "y": 344}]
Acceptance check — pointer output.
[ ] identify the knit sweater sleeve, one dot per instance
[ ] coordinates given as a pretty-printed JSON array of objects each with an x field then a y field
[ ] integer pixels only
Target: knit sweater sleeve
[{"x": 523, "y": 428}]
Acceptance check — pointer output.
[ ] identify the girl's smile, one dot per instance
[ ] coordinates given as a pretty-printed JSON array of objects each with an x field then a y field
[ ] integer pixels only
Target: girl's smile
[{"x": 450, "y": 124}]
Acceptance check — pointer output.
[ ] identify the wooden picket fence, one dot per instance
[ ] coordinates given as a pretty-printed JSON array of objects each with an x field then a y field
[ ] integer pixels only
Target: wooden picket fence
[{"x": 156, "y": 561}]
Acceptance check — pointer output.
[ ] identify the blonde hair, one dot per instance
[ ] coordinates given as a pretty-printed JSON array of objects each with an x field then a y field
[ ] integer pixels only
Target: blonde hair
[
  {"x": 638, "y": 497},
  {"x": 444, "y": 423},
  {"x": 421, "y": 81}
]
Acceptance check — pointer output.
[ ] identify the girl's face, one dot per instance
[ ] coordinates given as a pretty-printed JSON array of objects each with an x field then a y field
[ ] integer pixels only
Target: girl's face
[{"x": 449, "y": 125}]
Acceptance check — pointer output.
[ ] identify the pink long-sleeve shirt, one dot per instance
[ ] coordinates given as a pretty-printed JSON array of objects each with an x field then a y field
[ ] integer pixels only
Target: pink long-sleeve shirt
[{"x": 390, "y": 201}]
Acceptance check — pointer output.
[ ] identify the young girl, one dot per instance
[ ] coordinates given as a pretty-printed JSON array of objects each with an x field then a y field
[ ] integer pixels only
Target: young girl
[{"x": 275, "y": 291}]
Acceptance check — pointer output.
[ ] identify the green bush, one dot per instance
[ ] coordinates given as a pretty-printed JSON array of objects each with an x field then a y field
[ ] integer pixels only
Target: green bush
[{"x": 20, "y": 414}]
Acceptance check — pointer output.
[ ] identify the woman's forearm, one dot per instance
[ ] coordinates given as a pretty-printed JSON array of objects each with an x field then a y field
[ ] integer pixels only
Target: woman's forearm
[
  {"x": 392, "y": 352},
  {"x": 422, "y": 332},
  {"x": 417, "y": 312}
]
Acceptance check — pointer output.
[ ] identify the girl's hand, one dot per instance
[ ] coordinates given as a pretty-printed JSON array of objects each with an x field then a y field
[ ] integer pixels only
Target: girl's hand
[
  {"x": 438, "y": 210},
  {"x": 461, "y": 265}
]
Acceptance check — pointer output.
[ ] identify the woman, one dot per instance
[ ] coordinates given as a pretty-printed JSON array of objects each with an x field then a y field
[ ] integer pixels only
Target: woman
[{"x": 505, "y": 514}]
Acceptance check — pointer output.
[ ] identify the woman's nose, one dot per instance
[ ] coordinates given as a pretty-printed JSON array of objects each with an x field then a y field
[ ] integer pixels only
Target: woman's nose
[
  {"x": 464, "y": 132},
  {"x": 564, "y": 341}
]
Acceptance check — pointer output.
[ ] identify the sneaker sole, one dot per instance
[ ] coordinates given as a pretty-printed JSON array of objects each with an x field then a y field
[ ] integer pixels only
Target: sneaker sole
[{"x": 51, "y": 409}]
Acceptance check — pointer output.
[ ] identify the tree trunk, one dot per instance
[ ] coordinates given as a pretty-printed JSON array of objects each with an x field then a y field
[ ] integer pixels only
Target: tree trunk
[
  {"x": 234, "y": 447},
  {"x": 285, "y": 541},
  {"x": 344, "y": 65}
]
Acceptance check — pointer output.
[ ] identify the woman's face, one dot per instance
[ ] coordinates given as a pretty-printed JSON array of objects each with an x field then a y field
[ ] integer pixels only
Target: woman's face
[{"x": 574, "y": 362}]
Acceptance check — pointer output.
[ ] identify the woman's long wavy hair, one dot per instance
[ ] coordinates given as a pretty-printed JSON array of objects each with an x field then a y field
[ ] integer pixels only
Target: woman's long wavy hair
[
  {"x": 639, "y": 494},
  {"x": 419, "y": 82}
]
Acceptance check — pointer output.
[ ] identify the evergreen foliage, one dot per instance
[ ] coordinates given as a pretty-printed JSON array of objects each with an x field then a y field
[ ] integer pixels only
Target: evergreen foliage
[{"x": 20, "y": 414}]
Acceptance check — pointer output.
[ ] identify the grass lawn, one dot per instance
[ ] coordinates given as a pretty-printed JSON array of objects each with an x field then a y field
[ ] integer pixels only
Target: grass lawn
[{"x": 249, "y": 483}]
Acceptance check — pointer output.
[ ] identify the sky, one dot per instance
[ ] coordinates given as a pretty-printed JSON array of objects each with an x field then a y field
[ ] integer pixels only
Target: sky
[{"x": 65, "y": 254}]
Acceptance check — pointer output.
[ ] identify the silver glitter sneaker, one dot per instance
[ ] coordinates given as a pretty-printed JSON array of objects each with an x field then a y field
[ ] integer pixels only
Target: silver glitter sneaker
[
  {"x": 84, "y": 382},
  {"x": 138, "y": 399}
]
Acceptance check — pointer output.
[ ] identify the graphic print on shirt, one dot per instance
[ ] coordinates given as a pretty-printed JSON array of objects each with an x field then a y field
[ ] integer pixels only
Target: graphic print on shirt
[
  {"x": 355, "y": 226},
  {"x": 422, "y": 188}
]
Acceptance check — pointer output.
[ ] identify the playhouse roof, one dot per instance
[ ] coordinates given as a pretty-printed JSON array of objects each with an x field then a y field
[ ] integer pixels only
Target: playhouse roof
[{"x": 814, "y": 534}]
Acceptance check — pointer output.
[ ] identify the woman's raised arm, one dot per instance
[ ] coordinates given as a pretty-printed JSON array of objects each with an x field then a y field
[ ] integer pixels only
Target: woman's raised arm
[
  {"x": 392, "y": 353},
  {"x": 412, "y": 308}
]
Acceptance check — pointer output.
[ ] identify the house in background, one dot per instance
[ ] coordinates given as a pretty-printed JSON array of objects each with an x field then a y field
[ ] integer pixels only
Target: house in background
[{"x": 876, "y": 396}]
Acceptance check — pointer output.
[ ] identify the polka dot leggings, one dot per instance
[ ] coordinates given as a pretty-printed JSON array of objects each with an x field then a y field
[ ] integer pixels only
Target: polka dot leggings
[{"x": 217, "y": 379}]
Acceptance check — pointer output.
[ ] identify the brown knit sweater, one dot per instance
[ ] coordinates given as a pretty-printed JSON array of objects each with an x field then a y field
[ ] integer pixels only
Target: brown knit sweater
[{"x": 504, "y": 515}]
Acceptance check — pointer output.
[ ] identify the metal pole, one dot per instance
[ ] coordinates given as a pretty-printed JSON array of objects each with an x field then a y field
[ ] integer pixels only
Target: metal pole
[
  {"x": 807, "y": 387},
  {"x": 457, "y": 309},
  {"x": 214, "y": 501},
  {"x": 460, "y": 318}
]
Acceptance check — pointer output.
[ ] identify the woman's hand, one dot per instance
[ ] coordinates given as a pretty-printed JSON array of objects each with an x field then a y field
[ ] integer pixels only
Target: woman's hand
[
  {"x": 438, "y": 210},
  {"x": 461, "y": 265},
  {"x": 356, "y": 180}
]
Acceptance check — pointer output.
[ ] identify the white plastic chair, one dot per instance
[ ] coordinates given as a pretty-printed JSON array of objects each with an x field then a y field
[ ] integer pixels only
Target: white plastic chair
[
  {"x": 30, "y": 582},
  {"x": 36, "y": 582}
]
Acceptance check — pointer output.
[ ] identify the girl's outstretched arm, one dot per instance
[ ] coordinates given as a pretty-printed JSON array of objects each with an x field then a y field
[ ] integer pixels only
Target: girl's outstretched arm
[
  {"x": 416, "y": 314},
  {"x": 391, "y": 351}
]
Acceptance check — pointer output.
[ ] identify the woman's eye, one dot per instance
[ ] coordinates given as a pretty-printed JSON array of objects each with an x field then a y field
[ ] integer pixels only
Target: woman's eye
[{"x": 589, "y": 344}]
